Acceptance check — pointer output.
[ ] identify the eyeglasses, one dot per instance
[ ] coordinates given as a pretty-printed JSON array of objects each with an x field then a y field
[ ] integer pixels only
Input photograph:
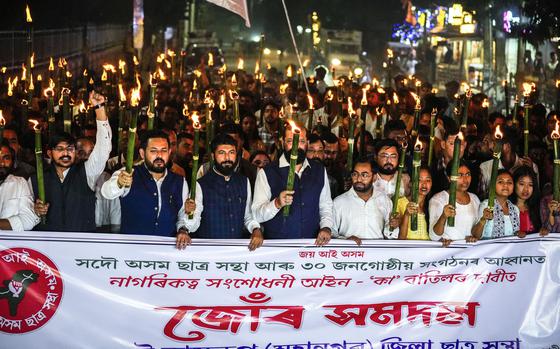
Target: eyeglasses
[
  {"x": 387, "y": 156},
  {"x": 363, "y": 175},
  {"x": 69, "y": 149},
  {"x": 330, "y": 152},
  {"x": 318, "y": 152}
]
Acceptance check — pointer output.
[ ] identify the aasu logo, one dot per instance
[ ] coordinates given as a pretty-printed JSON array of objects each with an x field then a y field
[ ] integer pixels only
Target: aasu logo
[{"x": 30, "y": 290}]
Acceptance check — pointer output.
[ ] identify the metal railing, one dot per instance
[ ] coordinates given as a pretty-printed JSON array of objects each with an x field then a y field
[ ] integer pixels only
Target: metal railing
[{"x": 67, "y": 42}]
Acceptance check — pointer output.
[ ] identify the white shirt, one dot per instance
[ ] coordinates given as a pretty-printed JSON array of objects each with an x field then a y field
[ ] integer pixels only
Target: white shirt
[
  {"x": 95, "y": 164},
  {"x": 363, "y": 219},
  {"x": 465, "y": 218},
  {"x": 16, "y": 204},
  {"x": 107, "y": 212},
  {"x": 110, "y": 190},
  {"x": 248, "y": 220},
  {"x": 264, "y": 208},
  {"x": 389, "y": 186},
  {"x": 486, "y": 172}
]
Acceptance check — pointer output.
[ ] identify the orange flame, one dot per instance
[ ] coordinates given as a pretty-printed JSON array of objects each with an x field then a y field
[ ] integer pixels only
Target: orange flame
[
  {"x": 32, "y": 60},
  {"x": 171, "y": 53},
  {"x": 528, "y": 88},
  {"x": 351, "y": 110},
  {"x": 498, "y": 133},
  {"x": 240, "y": 64},
  {"x": 465, "y": 87},
  {"x": 122, "y": 65},
  {"x": 375, "y": 82},
  {"x": 395, "y": 98},
  {"x": 4, "y": 69},
  {"x": 558, "y": 83},
  {"x": 122, "y": 95},
  {"x": 104, "y": 76},
  {"x": 167, "y": 63},
  {"x": 257, "y": 67},
  {"x": 31, "y": 84},
  {"x": 195, "y": 120},
  {"x": 485, "y": 103},
  {"x": 65, "y": 92},
  {"x": 330, "y": 95},
  {"x": 310, "y": 101},
  {"x": 364, "y": 97},
  {"x": 135, "y": 97},
  {"x": 294, "y": 127},
  {"x": 49, "y": 91},
  {"x": 51, "y": 64},
  {"x": 85, "y": 73},
  {"x": 210, "y": 59},
  {"x": 223, "y": 105},
  {"x": 289, "y": 72},
  {"x": 109, "y": 67},
  {"x": 161, "y": 74},
  {"x": 28, "y": 18},
  {"x": 389, "y": 53},
  {"x": 283, "y": 88},
  {"x": 135, "y": 60},
  {"x": 417, "y": 99},
  {"x": 418, "y": 83},
  {"x": 555, "y": 135},
  {"x": 35, "y": 125},
  {"x": 380, "y": 90},
  {"x": 68, "y": 74},
  {"x": 2, "y": 120},
  {"x": 194, "y": 85},
  {"x": 233, "y": 80},
  {"x": 23, "y": 72},
  {"x": 185, "y": 109},
  {"x": 82, "y": 107},
  {"x": 233, "y": 94}
]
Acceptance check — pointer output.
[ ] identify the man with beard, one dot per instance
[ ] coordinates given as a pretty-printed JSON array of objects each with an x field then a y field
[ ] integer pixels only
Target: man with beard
[
  {"x": 331, "y": 161},
  {"x": 310, "y": 213},
  {"x": 270, "y": 131},
  {"x": 315, "y": 148},
  {"x": 360, "y": 213},
  {"x": 152, "y": 198},
  {"x": 70, "y": 184},
  {"x": 388, "y": 152},
  {"x": 183, "y": 156},
  {"x": 16, "y": 200},
  {"x": 223, "y": 199},
  {"x": 243, "y": 165}
]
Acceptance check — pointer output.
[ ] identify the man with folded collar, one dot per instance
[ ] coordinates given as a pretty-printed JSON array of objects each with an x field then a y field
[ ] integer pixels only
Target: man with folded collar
[
  {"x": 223, "y": 199},
  {"x": 310, "y": 202}
]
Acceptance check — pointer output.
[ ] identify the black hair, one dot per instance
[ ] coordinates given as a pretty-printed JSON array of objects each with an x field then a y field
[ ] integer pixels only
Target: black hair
[
  {"x": 222, "y": 139},
  {"x": 182, "y": 135},
  {"x": 231, "y": 128},
  {"x": 462, "y": 163},
  {"x": 314, "y": 138},
  {"x": 534, "y": 201},
  {"x": 393, "y": 125},
  {"x": 256, "y": 153},
  {"x": 5, "y": 143},
  {"x": 151, "y": 134},
  {"x": 330, "y": 138},
  {"x": 60, "y": 137},
  {"x": 363, "y": 160},
  {"x": 450, "y": 128},
  {"x": 386, "y": 143}
]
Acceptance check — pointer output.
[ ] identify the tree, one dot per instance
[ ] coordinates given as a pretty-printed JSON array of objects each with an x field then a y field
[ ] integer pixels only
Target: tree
[{"x": 544, "y": 21}]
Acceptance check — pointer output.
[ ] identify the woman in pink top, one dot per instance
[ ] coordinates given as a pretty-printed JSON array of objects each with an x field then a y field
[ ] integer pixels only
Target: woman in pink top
[{"x": 526, "y": 197}]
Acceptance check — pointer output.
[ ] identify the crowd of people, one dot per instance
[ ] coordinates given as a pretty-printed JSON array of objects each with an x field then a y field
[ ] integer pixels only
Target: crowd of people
[{"x": 351, "y": 139}]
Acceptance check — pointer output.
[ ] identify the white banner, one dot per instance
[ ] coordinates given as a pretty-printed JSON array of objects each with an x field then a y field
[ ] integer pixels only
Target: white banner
[
  {"x": 238, "y": 7},
  {"x": 65, "y": 290}
]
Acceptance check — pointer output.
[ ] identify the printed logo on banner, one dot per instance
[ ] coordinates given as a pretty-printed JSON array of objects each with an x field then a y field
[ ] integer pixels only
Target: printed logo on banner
[{"x": 30, "y": 290}]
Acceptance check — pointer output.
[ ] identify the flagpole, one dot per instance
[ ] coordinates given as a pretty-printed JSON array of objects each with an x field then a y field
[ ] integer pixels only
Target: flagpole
[{"x": 295, "y": 47}]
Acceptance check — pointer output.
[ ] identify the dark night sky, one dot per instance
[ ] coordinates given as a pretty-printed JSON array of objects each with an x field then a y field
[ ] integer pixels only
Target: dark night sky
[{"x": 373, "y": 17}]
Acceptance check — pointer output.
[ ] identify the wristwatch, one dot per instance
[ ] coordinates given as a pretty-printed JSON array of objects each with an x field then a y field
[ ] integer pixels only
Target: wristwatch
[{"x": 182, "y": 230}]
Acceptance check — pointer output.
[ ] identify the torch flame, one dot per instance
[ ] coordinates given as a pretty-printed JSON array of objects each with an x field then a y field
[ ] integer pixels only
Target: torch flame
[
  {"x": 4, "y": 69},
  {"x": 109, "y": 67},
  {"x": 2, "y": 120},
  {"x": 194, "y": 85},
  {"x": 389, "y": 53},
  {"x": 49, "y": 91},
  {"x": 160, "y": 58},
  {"x": 257, "y": 67},
  {"x": 380, "y": 90},
  {"x": 39, "y": 77},
  {"x": 294, "y": 127},
  {"x": 310, "y": 101},
  {"x": 51, "y": 64},
  {"x": 306, "y": 62},
  {"x": 28, "y": 18},
  {"x": 161, "y": 74},
  {"x": 82, "y": 107},
  {"x": 364, "y": 97},
  {"x": 32, "y": 60},
  {"x": 527, "y": 88},
  {"x": 195, "y": 120},
  {"x": 395, "y": 98},
  {"x": 498, "y": 133},
  {"x": 375, "y": 82},
  {"x": 233, "y": 80},
  {"x": 122, "y": 65},
  {"x": 31, "y": 84},
  {"x": 556, "y": 132},
  {"x": 330, "y": 95},
  {"x": 23, "y": 72},
  {"x": 68, "y": 74},
  {"x": 167, "y": 63},
  {"x": 223, "y": 105},
  {"x": 485, "y": 103},
  {"x": 418, "y": 83},
  {"x": 240, "y": 64},
  {"x": 418, "y": 145},
  {"x": 283, "y": 88},
  {"x": 135, "y": 60},
  {"x": 35, "y": 124},
  {"x": 289, "y": 72},
  {"x": 210, "y": 59},
  {"x": 171, "y": 53},
  {"x": 104, "y": 76},
  {"x": 465, "y": 87},
  {"x": 557, "y": 83},
  {"x": 135, "y": 97},
  {"x": 85, "y": 73},
  {"x": 351, "y": 110},
  {"x": 138, "y": 85},
  {"x": 122, "y": 95},
  {"x": 417, "y": 99},
  {"x": 268, "y": 66},
  {"x": 434, "y": 111},
  {"x": 185, "y": 109}
]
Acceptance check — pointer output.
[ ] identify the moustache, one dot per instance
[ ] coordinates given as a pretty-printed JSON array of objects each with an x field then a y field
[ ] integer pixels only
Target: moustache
[
  {"x": 159, "y": 159},
  {"x": 226, "y": 163}
]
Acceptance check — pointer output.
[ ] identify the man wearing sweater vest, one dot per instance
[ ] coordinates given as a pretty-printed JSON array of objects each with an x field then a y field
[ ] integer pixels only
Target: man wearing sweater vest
[
  {"x": 70, "y": 184},
  {"x": 311, "y": 206},
  {"x": 223, "y": 198},
  {"x": 152, "y": 198}
]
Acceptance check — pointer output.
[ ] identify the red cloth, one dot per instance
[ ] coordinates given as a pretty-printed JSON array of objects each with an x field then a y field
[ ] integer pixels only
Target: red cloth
[{"x": 525, "y": 224}]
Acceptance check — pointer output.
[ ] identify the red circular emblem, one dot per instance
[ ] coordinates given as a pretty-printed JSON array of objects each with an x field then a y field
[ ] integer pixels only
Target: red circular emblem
[{"x": 30, "y": 290}]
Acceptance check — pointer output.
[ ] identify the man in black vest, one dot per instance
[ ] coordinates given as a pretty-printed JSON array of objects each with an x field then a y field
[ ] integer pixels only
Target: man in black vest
[
  {"x": 223, "y": 198},
  {"x": 152, "y": 198},
  {"x": 69, "y": 184}
]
